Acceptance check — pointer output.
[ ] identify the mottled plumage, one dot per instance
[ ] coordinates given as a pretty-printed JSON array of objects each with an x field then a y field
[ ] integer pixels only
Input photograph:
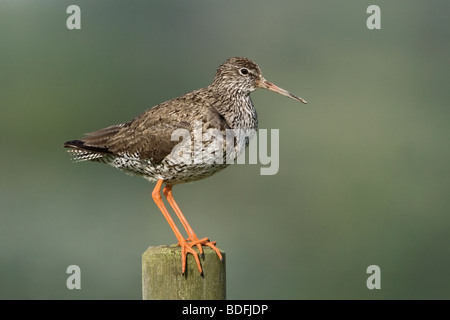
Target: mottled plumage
[{"x": 145, "y": 146}]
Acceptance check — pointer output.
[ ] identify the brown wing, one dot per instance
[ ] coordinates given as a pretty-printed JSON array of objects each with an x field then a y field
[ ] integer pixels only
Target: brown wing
[
  {"x": 148, "y": 136},
  {"x": 151, "y": 142}
]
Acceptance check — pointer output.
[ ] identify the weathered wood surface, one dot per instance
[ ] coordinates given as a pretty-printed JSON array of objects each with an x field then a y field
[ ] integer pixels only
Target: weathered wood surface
[{"x": 162, "y": 278}]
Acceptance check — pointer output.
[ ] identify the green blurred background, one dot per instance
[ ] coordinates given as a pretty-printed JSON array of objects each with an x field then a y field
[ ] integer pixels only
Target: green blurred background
[{"x": 364, "y": 172}]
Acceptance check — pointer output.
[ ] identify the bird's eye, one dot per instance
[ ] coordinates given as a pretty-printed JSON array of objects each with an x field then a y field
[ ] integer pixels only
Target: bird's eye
[{"x": 243, "y": 71}]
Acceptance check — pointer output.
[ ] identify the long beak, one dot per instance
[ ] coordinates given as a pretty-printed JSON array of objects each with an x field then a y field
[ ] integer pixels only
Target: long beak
[{"x": 263, "y": 83}]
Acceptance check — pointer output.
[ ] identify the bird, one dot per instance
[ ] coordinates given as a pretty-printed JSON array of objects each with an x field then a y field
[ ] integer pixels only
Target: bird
[{"x": 149, "y": 145}]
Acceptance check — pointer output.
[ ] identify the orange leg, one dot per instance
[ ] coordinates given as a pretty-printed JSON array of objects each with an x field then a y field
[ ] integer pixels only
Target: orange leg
[
  {"x": 185, "y": 247},
  {"x": 192, "y": 236}
]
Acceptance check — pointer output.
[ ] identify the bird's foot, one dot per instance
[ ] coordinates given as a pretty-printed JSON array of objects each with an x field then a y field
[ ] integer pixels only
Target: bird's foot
[
  {"x": 185, "y": 249},
  {"x": 194, "y": 241}
]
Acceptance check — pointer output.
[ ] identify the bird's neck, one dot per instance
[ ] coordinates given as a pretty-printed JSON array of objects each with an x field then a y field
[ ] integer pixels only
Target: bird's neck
[{"x": 237, "y": 108}]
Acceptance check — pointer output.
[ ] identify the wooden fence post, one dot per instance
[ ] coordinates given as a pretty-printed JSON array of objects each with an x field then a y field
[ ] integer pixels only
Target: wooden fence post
[{"x": 162, "y": 278}]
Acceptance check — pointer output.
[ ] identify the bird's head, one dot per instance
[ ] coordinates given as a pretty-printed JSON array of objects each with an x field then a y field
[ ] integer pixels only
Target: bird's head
[{"x": 243, "y": 75}]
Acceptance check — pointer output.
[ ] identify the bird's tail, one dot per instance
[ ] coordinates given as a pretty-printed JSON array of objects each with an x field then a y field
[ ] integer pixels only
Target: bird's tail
[
  {"x": 95, "y": 145},
  {"x": 82, "y": 152}
]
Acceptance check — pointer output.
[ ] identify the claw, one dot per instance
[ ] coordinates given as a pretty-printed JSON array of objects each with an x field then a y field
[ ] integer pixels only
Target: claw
[{"x": 212, "y": 246}]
